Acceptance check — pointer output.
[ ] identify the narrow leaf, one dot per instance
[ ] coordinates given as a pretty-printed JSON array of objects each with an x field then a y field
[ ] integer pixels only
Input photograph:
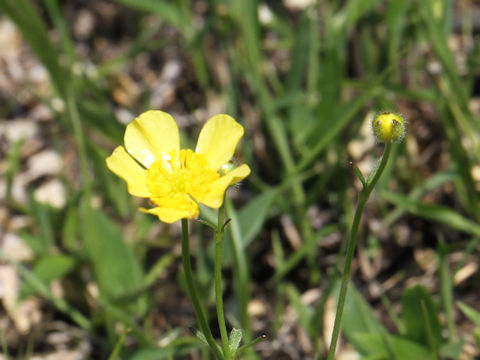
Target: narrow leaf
[
  {"x": 470, "y": 312},
  {"x": 360, "y": 176},
  {"x": 435, "y": 213},
  {"x": 420, "y": 316}
]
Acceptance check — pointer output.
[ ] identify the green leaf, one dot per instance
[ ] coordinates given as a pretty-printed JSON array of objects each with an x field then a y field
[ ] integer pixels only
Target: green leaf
[
  {"x": 304, "y": 312},
  {"x": 446, "y": 287},
  {"x": 253, "y": 215},
  {"x": 174, "y": 351},
  {"x": 420, "y": 317},
  {"x": 43, "y": 218},
  {"x": 116, "y": 267},
  {"x": 432, "y": 183},
  {"x": 14, "y": 157},
  {"x": 115, "y": 354},
  {"x": 97, "y": 115},
  {"x": 240, "y": 270},
  {"x": 396, "y": 21},
  {"x": 34, "y": 242},
  {"x": 358, "y": 316},
  {"x": 360, "y": 176},
  {"x": 49, "y": 268},
  {"x": 377, "y": 346},
  {"x": 70, "y": 231},
  {"x": 452, "y": 350},
  {"x": 168, "y": 11},
  {"x": 114, "y": 188},
  {"x": 435, "y": 213},
  {"x": 352, "y": 11},
  {"x": 250, "y": 220},
  {"x": 235, "y": 340},
  {"x": 469, "y": 312}
]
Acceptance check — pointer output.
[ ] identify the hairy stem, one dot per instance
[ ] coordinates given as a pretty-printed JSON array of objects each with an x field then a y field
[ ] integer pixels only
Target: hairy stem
[
  {"x": 219, "y": 236},
  {"x": 362, "y": 200},
  {"x": 202, "y": 321}
]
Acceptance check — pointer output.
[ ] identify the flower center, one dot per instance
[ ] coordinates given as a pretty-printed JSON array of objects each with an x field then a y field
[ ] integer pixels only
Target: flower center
[{"x": 183, "y": 173}]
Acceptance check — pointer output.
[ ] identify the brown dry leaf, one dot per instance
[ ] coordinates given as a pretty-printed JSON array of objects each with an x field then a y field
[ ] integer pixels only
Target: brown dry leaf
[
  {"x": 426, "y": 259},
  {"x": 127, "y": 92},
  {"x": 465, "y": 272},
  {"x": 328, "y": 322},
  {"x": 291, "y": 232}
]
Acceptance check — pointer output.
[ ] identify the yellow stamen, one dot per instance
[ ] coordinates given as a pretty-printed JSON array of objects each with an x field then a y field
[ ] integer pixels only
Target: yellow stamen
[{"x": 180, "y": 173}]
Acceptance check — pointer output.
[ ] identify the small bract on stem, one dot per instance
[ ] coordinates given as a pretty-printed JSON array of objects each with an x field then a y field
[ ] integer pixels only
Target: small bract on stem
[{"x": 389, "y": 128}]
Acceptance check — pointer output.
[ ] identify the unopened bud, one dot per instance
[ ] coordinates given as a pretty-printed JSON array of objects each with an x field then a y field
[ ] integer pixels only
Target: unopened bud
[{"x": 388, "y": 126}]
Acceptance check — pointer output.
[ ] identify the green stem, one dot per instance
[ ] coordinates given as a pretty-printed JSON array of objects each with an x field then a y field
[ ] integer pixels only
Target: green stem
[
  {"x": 80, "y": 139},
  {"x": 241, "y": 272},
  {"x": 219, "y": 236},
  {"x": 193, "y": 293},
  {"x": 362, "y": 200}
]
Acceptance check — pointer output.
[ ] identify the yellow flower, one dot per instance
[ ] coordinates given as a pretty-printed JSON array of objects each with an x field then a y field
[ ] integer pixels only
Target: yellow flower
[{"x": 176, "y": 180}]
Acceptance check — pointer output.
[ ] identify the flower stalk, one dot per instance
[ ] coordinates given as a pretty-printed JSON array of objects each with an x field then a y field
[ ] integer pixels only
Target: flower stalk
[
  {"x": 202, "y": 321},
  {"x": 219, "y": 237},
  {"x": 362, "y": 200}
]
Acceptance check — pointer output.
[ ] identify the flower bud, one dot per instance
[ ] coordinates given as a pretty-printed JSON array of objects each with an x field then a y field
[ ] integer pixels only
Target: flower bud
[{"x": 389, "y": 126}]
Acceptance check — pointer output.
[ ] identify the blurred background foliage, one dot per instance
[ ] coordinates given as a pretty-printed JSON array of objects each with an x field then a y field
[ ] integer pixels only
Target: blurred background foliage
[{"x": 84, "y": 274}]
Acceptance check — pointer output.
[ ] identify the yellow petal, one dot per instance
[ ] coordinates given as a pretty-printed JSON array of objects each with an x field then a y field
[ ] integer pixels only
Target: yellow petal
[
  {"x": 218, "y": 139},
  {"x": 214, "y": 198},
  {"x": 151, "y": 135},
  {"x": 124, "y": 166},
  {"x": 187, "y": 209}
]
